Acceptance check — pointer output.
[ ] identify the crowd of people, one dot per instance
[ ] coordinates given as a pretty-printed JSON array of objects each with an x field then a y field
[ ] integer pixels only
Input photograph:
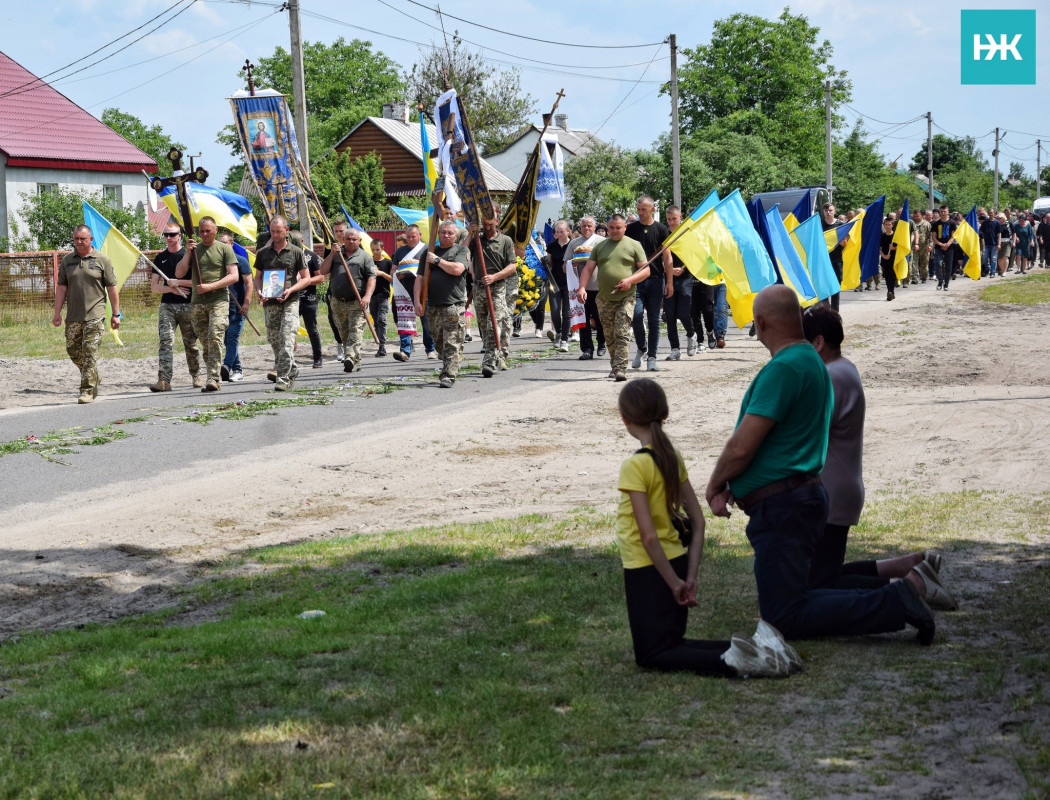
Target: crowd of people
[{"x": 793, "y": 463}]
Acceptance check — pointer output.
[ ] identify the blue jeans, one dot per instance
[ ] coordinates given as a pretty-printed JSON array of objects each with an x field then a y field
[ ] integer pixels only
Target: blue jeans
[
  {"x": 648, "y": 299},
  {"x": 405, "y": 340},
  {"x": 232, "y": 342},
  {"x": 992, "y": 254},
  {"x": 721, "y": 311},
  {"x": 783, "y": 530}
]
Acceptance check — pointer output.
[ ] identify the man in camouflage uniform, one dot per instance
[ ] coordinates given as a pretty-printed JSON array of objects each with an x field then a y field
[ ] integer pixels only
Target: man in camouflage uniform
[
  {"x": 446, "y": 300},
  {"x": 621, "y": 263},
  {"x": 282, "y": 312},
  {"x": 210, "y": 302},
  {"x": 85, "y": 277},
  {"x": 173, "y": 312},
  {"x": 500, "y": 265},
  {"x": 348, "y": 312},
  {"x": 922, "y": 243}
]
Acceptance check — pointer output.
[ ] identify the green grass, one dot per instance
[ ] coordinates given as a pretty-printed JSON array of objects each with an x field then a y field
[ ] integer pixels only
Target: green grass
[
  {"x": 55, "y": 443},
  {"x": 1029, "y": 290},
  {"x": 493, "y": 660}
]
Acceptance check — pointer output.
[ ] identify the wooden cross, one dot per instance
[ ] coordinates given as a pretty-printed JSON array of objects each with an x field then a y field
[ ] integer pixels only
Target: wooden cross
[
  {"x": 249, "y": 67},
  {"x": 199, "y": 175}
]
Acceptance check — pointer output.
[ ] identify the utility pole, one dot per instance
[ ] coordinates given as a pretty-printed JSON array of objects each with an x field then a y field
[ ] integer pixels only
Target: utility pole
[
  {"x": 995, "y": 186},
  {"x": 827, "y": 137},
  {"x": 929, "y": 154},
  {"x": 676, "y": 158},
  {"x": 299, "y": 90},
  {"x": 1038, "y": 168}
]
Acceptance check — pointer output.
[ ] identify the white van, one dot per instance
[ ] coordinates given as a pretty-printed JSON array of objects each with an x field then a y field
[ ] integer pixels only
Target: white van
[{"x": 1041, "y": 207}]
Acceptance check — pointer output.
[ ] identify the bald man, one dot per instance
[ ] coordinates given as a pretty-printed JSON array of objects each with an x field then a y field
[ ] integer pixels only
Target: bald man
[{"x": 770, "y": 468}]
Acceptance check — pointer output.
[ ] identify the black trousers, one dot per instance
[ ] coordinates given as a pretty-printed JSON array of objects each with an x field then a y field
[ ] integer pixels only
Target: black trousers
[
  {"x": 591, "y": 311},
  {"x": 702, "y": 308},
  {"x": 308, "y": 311},
  {"x": 658, "y": 625},
  {"x": 827, "y": 570}
]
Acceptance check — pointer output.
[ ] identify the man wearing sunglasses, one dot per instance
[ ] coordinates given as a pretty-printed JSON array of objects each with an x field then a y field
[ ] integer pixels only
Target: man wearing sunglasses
[{"x": 174, "y": 312}]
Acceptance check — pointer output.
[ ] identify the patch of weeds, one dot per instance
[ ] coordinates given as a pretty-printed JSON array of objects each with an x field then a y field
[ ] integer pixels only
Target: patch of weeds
[
  {"x": 54, "y": 443},
  {"x": 1030, "y": 290},
  {"x": 246, "y": 409}
]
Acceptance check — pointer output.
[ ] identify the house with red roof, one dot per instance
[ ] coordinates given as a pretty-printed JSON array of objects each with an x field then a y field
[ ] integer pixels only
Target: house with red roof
[{"x": 47, "y": 141}]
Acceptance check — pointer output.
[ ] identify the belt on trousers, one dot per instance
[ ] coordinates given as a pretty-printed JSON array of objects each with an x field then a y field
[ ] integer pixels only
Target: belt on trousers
[{"x": 748, "y": 502}]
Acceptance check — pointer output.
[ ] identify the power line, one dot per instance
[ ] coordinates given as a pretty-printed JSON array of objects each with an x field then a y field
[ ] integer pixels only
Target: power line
[
  {"x": 574, "y": 45},
  {"x": 41, "y": 81},
  {"x": 882, "y": 121},
  {"x": 592, "y": 134}
]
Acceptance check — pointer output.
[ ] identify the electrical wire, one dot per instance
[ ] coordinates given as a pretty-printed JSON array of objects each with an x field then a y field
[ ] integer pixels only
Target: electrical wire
[
  {"x": 40, "y": 82},
  {"x": 592, "y": 134},
  {"x": 882, "y": 121},
  {"x": 574, "y": 45}
]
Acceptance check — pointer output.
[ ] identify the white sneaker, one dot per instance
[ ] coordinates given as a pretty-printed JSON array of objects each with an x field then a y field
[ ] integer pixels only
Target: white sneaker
[
  {"x": 563, "y": 347},
  {"x": 650, "y": 365},
  {"x": 690, "y": 345},
  {"x": 432, "y": 355},
  {"x": 540, "y": 333},
  {"x": 574, "y": 336},
  {"x": 751, "y": 660},
  {"x": 636, "y": 362},
  {"x": 676, "y": 355},
  {"x": 769, "y": 637},
  {"x": 236, "y": 376},
  {"x": 340, "y": 353},
  {"x": 551, "y": 335}
]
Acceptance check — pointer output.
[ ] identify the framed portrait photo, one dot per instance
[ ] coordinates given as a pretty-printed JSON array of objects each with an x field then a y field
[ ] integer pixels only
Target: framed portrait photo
[{"x": 272, "y": 283}]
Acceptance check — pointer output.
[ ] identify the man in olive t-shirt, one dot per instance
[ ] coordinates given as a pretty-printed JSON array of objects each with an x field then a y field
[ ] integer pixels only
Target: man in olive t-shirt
[
  {"x": 500, "y": 265},
  {"x": 283, "y": 260},
  {"x": 85, "y": 277},
  {"x": 771, "y": 468},
  {"x": 446, "y": 301},
  {"x": 211, "y": 297},
  {"x": 622, "y": 264},
  {"x": 347, "y": 264}
]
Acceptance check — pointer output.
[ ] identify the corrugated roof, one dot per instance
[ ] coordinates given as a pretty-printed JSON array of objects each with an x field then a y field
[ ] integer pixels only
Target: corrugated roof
[
  {"x": 575, "y": 141},
  {"x": 407, "y": 136},
  {"x": 38, "y": 122}
]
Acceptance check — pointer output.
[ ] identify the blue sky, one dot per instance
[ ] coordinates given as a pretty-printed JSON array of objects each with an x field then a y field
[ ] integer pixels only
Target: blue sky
[{"x": 903, "y": 59}]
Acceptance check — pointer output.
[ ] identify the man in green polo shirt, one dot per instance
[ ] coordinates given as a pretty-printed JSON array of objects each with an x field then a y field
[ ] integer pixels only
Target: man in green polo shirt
[
  {"x": 85, "y": 277},
  {"x": 282, "y": 260},
  {"x": 622, "y": 264},
  {"x": 211, "y": 297},
  {"x": 770, "y": 468}
]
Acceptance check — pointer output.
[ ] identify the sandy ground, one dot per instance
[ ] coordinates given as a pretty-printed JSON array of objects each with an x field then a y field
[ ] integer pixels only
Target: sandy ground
[{"x": 957, "y": 398}]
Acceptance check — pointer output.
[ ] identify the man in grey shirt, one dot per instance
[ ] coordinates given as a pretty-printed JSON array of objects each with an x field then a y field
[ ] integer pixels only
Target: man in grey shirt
[{"x": 843, "y": 479}]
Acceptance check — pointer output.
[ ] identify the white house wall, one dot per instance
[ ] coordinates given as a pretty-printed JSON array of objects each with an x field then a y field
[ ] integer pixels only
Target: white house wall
[
  {"x": 16, "y": 180},
  {"x": 511, "y": 162}
]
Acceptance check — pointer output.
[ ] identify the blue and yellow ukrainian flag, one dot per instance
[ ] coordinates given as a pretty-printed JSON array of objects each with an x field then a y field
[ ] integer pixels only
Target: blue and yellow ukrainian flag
[
  {"x": 429, "y": 170},
  {"x": 802, "y": 211},
  {"x": 687, "y": 246},
  {"x": 115, "y": 246},
  {"x": 967, "y": 238},
  {"x": 902, "y": 238},
  {"x": 811, "y": 245},
  {"x": 229, "y": 210},
  {"x": 787, "y": 260},
  {"x": 860, "y": 254},
  {"x": 732, "y": 242}
]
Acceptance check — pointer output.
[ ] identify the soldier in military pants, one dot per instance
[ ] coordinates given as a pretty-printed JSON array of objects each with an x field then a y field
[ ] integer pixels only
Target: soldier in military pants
[
  {"x": 500, "y": 265},
  {"x": 346, "y": 264},
  {"x": 445, "y": 300},
  {"x": 85, "y": 278},
  {"x": 281, "y": 258}
]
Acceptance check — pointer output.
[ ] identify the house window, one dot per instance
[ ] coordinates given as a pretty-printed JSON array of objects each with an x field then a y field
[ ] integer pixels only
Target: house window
[
  {"x": 111, "y": 194},
  {"x": 47, "y": 188}
]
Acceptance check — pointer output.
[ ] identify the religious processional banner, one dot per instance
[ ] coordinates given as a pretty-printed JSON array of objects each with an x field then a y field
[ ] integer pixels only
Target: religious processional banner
[
  {"x": 460, "y": 162},
  {"x": 267, "y": 133}
]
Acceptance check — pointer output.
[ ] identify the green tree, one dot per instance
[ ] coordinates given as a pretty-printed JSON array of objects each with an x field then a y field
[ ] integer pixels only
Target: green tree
[
  {"x": 356, "y": 184},
  {"x": 899, "y": 188},
  {"x": 966, "y": 186},
  {"x": 858, "y": 171},
  {"x": 46, "y": 221},
  {"x": 150, "y": 139},
  {"x": 776, "y": 67},
  {"x": 493, "y": 100},
  {"x": 603, "y": 181},
  {"x": 948, "y": 153},
  {"x": 345, "y": 82}
]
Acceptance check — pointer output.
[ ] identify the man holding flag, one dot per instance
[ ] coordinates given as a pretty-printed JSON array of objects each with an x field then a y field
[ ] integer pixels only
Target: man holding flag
[{"x": 85, "y": 277}]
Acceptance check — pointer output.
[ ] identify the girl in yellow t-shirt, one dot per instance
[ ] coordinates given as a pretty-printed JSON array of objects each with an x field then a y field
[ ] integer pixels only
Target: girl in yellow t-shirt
[{"x": 659, "y": 572}]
